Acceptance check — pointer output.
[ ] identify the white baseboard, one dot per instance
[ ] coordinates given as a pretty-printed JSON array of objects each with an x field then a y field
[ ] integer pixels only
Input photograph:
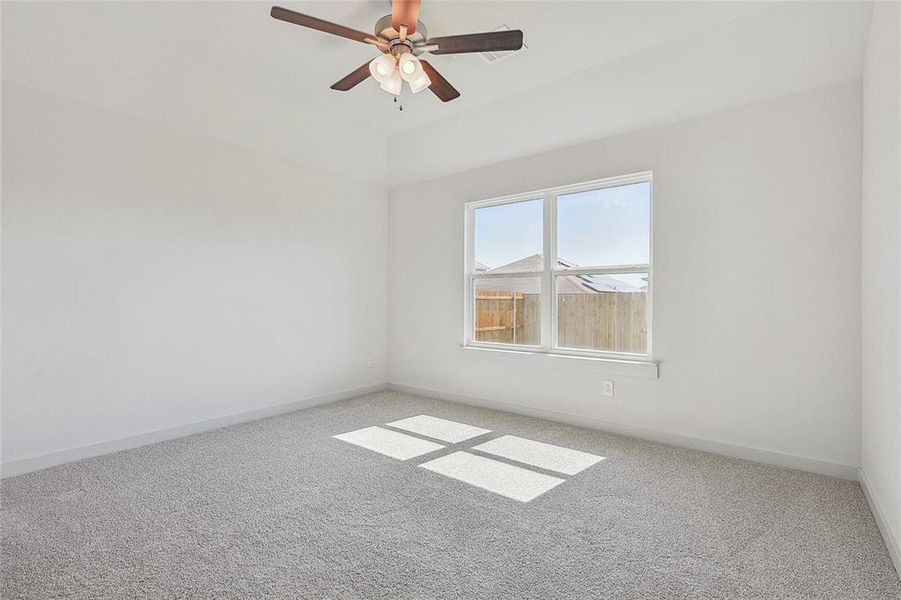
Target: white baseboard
[
  {"x": 892, "y": 541},
  {"x": 36, "y": 463},
  {"x": 803, "y": 463}
]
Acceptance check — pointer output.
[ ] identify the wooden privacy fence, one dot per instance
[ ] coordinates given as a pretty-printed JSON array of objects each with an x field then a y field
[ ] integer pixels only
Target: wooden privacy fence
[
  {"x": 508, "y": 317},
  {"x": 611, "y": 321}
]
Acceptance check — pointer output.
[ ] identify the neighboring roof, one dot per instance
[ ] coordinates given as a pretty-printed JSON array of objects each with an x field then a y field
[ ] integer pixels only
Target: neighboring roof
[
  {"x": 567, "y": 284},
  {"x": 529, "y": 263}
]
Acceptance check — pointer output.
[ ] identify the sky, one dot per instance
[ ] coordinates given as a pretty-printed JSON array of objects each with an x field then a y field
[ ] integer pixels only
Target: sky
[{"x": 596, "y": 228}]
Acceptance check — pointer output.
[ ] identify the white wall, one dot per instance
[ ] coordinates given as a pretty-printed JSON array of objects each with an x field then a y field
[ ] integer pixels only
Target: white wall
[
  {"x": 881, "y": 273},
  {"x": 153, "y": 279},
  {"x": 756, "y": 290}
]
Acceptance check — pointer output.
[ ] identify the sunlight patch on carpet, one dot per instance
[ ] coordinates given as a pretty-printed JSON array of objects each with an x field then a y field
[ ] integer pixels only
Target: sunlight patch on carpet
[
  {"x": 390, "y": 443},
  {"x": 539, "y": 454},
  {"x": 509, "y": 481},
  {"x": 439, "y": 429}
]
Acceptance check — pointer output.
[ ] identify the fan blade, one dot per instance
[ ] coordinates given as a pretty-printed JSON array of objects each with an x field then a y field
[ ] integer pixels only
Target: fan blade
[
  {"x": 352, "y": 79},
  {"x": 493, "y": 41},
  {"x": 404, "y": 12},
  {"x": 289, "y": 16},
  {"x": 440, "y": 86}
]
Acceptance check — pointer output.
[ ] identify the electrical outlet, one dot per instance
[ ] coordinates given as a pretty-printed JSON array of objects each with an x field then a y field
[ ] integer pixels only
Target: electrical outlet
[
  {"x": 370, "y": 361},
  {"x": 608, "y": 387}
]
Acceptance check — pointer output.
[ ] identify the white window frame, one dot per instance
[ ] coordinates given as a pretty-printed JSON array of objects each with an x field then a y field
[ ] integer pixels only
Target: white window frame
[{"x": 549, "y": 330}]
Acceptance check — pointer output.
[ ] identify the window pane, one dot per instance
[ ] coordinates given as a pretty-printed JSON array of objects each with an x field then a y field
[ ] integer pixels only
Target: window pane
[
  {"x": 507, "y": 310},
  {"x": 508, "y": 237},
  {"x": 605, "y": 227},
  {"x": 608, "y": 313}
]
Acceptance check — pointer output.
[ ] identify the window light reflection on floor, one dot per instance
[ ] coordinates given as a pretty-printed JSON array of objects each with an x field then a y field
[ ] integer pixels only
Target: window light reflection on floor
[{"x": 505, "y": 472}]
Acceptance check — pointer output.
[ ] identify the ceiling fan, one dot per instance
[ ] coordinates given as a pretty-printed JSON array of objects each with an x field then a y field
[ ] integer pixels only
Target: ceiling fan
[{"x": 401, "y": 38}]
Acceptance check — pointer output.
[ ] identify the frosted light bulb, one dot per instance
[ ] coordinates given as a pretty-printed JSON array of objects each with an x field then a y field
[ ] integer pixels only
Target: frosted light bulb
[
  {"x": 382, "y": 68},
  {"x": 410, "y": 67}
]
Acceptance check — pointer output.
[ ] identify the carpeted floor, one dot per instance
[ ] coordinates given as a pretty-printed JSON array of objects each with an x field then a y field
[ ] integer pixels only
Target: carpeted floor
[{"x": 279, "y": 508}]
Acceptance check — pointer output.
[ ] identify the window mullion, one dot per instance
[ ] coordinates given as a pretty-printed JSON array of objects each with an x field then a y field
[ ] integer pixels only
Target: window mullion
[
  {"x": 469, "y": 316},
  {"x": 506, "y": 274},
  {"x": 548, "y": 304},
  {"x": 617, "y": 270}
]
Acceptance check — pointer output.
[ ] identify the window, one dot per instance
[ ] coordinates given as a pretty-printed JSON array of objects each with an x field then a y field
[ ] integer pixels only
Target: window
[{"x": 565, "y": 270}]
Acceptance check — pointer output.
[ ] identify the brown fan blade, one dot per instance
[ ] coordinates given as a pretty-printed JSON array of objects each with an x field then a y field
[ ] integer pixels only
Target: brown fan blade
[
  {"x": 404, "y": 12},
  {"x": 493, "y": 41},
  {"x": 440, "y": 86},
  {"x": 289, "y": 16},
  {"x": 352, "y": 79}
]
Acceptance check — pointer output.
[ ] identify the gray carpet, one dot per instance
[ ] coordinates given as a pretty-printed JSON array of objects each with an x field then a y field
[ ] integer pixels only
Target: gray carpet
[{"x": 279, "y": 509}]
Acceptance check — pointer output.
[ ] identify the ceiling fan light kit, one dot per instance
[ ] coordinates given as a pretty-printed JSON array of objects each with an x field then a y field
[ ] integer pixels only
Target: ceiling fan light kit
[
  {"x": 394, "y": 84},
  {"x": 402, "y": 38},
  {"x": 382, "y": 68},
  {"x": 420, "y": 84},
  {"x": 411, "y": 70}
]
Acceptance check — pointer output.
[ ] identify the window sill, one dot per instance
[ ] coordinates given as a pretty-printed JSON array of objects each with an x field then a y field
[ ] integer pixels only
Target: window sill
[{"x": 628, "y": 367}]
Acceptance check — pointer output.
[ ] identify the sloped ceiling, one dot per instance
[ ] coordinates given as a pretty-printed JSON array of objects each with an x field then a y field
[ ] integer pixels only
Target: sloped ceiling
[
  {"x": 783, "y": 49},
  {"x": 228, "y": 71}
]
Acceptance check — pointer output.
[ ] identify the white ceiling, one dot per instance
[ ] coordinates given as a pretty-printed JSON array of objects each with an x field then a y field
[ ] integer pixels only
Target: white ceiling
[
  {"x": 562, "y": 37},
  {"x": 784, "y": 49},
  {"x": 229, "y": 71}
]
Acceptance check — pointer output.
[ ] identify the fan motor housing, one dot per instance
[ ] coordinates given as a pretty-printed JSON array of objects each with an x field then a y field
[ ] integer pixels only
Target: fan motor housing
[{"x": 384, "y": 30}]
